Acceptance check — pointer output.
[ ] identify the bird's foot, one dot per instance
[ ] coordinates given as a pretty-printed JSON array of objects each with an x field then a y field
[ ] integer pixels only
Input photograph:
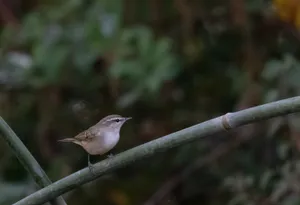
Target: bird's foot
[
  {"x": 91, "y": 167},
  {"x": 110, "y": 156}
]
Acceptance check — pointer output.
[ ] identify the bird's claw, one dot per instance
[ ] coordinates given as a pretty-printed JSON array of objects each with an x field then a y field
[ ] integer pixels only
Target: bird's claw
[
  {"x": 110, "y": 156},
  {"x": 91, "y": 168}
]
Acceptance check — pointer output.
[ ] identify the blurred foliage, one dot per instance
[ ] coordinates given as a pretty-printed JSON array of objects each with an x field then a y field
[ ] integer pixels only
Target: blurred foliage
[
  {"x": 144, "y": 63},
  {"x": 288, "y": 11},
  {"x": 168, "y": 64}
]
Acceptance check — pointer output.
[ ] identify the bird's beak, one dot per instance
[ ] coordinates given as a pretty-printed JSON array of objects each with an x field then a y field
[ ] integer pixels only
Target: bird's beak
[{"x": 128, "y": 118}]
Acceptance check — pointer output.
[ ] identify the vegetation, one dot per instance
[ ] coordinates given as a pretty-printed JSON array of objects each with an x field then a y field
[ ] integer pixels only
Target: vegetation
[{"x": 169, "y": 64}]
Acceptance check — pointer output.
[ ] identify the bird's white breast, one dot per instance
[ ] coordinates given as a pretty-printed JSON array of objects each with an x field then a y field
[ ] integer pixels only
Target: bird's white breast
[
  {"x": 102, "y": 143},
  {"x": 108, "y": 140},
  {"x": 111, "y": 139}
]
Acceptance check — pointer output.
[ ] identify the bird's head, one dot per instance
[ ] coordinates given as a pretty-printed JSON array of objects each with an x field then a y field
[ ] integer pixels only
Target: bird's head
[{"x": 113, "y": 122}]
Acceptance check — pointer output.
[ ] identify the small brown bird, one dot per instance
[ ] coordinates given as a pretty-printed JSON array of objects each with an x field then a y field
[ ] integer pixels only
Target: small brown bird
[{"x": 100, "y": 138}]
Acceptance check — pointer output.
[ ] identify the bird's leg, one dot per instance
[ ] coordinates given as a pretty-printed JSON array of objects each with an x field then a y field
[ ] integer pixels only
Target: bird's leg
[{"x": 90, "y": 165}]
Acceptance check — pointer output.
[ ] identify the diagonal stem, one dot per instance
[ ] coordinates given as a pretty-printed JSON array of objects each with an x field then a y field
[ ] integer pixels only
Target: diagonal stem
[{"x": 26, "y": 159}]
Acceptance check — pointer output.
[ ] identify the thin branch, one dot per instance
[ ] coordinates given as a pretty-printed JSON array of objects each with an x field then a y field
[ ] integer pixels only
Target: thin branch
[
  {"x": 220, "y": 151},
  {"x": 27, "y": 160},
  {"x": 196, "y": 132}
]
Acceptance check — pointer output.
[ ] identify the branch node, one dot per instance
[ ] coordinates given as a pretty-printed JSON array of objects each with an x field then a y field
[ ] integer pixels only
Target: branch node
[{"x": 225, "y": 122}]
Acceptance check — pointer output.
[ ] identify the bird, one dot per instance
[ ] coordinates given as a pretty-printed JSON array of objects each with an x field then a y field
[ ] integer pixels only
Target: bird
[{"x": 101, "y": 137}]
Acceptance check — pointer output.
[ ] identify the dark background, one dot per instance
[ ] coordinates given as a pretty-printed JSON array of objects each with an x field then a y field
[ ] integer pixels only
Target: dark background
[{"x": 169, "y": 64}]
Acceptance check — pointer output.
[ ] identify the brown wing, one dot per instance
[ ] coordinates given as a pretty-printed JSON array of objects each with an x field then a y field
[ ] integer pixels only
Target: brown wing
[{"x": 86, "y": 135}]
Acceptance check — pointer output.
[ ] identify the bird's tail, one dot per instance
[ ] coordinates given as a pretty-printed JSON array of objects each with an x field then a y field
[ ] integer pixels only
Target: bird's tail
[{"x": 67, "y": 140}]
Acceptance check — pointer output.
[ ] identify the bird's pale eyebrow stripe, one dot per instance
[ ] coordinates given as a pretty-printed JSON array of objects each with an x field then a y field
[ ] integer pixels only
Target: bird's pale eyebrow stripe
[{"x": 115, "y": 118}]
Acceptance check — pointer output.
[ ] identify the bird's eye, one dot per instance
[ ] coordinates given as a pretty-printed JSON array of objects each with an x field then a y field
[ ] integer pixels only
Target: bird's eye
[{"x": 117, "y": 120}]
